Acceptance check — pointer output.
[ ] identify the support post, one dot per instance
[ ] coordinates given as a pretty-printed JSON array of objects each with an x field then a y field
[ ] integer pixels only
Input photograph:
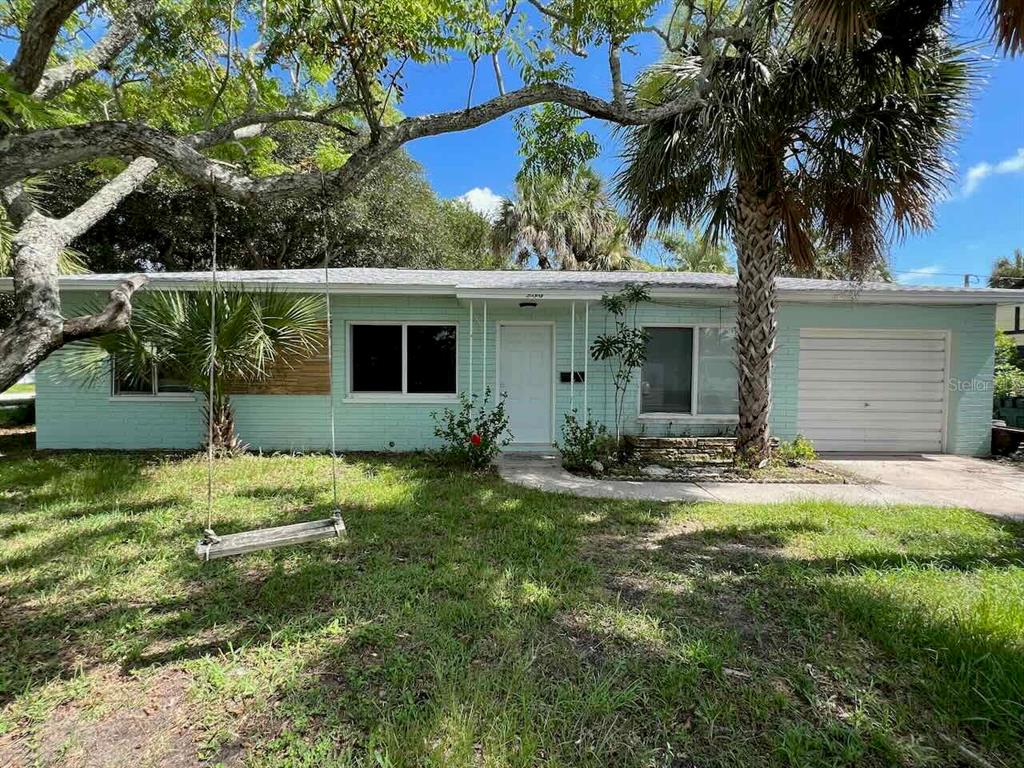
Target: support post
[
  {"x": 483, "y": 361},
  {"x": 471, "y": 349},
  {"x": 586, "y": 356},
  {"x": 572, "y": 359}
]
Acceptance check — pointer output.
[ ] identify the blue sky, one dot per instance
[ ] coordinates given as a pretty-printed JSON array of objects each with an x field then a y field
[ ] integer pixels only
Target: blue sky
[{"x": 982, "y": 220}]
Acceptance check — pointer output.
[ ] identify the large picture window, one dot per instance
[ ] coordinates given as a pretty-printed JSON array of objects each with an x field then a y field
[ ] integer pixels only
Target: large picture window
[
  {"x": 690, "y": 372},
  {"x": 402, "y": 359}
]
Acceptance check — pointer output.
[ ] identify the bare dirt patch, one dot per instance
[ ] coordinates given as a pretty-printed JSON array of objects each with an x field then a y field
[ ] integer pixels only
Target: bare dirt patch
[{"x": 124, "y": 722}]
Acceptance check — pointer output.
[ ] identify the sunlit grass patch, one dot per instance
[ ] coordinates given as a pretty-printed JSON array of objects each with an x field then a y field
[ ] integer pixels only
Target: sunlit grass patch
[{"x": 467, "y": 622}]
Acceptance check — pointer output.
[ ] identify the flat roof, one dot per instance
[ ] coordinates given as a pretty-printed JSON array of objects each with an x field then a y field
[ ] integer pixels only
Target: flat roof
[{"x": 542, "y": 284}]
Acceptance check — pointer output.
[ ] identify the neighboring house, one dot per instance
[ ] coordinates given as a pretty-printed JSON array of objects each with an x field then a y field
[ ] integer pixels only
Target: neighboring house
[
  {"x": 867, "y": 367},
  {"x": 1010, "y": 320}
]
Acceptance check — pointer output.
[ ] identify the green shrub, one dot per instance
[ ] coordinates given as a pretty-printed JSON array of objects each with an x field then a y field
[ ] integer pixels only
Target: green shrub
[
  {"x": 474, "y": 433},
  {"x": 1008, "y": 379},
  {"x": 584, "y": 442},
  {"x": 796, "y": 450}
]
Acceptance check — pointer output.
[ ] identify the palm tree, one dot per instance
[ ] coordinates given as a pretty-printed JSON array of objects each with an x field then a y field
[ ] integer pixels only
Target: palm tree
[
  {"x": 170, "y": 334},
  {"x": 1008, "y": 24},
  {"x": 785, "y": 134},
  {"x": 831, "y": 262},
  {"x": 561, "y": 221},
  {"x": 844, "y": 22},
  {"x": 1008, "y": 272},
  {"x": 692, "y": 252},
  {"x": 614, "y": 252}
]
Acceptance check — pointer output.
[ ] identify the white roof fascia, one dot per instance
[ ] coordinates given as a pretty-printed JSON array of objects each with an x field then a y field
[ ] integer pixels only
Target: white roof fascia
[{"x": 816, "y": 295}]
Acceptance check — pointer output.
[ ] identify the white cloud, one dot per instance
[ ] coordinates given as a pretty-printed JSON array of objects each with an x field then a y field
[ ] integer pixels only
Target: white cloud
[
  {"x": 483, "y": 201},
  {"x": 919, "y": 275},
  {"x": 978, "y": 173}
]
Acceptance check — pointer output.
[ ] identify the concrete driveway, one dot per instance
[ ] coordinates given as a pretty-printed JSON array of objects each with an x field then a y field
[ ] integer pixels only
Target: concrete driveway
[
  {"x": 935, "y": 480},
  {"x": 951, "y": 481}
]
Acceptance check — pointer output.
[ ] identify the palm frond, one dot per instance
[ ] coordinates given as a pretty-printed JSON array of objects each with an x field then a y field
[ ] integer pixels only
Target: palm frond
[
  {"x": 170, "y": 331},
  {"x": 1008, "y": 24},
  {"x": 834, "y": 23}
]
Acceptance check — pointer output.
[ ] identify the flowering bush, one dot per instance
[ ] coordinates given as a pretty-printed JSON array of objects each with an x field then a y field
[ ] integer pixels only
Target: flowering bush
[
  {"x": 473, "y": 434},
  {"x": 586, "y": 442}
]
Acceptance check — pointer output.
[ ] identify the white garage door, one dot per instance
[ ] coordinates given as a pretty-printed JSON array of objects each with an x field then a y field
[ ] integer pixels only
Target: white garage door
[{"x": 873, "y": 390}]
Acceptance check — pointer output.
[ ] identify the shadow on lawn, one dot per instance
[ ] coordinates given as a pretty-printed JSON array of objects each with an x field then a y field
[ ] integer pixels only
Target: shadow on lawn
[
  {"x": 788, "y": 609},
  {"x": 459, "y": 622}
]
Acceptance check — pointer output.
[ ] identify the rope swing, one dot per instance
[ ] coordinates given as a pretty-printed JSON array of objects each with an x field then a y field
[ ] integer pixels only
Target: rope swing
[{"x": 211, "y": 545}]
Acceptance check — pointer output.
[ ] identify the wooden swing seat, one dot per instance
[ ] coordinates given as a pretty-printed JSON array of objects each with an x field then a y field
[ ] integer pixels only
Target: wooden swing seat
[{"x": 210, "y": 547}]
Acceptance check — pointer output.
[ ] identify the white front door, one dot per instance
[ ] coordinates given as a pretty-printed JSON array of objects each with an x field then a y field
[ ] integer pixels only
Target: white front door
[{"x": 526, "y": 374}]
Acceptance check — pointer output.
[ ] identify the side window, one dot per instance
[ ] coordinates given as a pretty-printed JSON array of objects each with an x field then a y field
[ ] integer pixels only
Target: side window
[
  {"x": 157, "y": 382},
  {"x": 129, "y": 385},
  {"x": 403, "y": 359},
  {"x": 376, "y": 358},
  {"x": 430, "y": 359}
]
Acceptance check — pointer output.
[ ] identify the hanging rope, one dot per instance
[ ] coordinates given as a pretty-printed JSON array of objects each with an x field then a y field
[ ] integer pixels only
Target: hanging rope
[
  {"x": 330, "y": 344},
  {"x": 209, "y": 537}
]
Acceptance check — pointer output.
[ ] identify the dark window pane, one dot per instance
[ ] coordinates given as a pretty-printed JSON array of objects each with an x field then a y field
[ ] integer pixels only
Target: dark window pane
[
  {"x": 431, "y": 358},
  {"x": 667, "y": 381},
  {"x": 125, "y": 384},
  {"x": 376, "y": 358},
  {"x": 165, "y": 382}
]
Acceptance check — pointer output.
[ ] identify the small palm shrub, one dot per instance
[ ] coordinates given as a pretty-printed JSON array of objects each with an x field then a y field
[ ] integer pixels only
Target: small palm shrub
[
  {"x": 795, "y": 451},
  {"x": 256, "y": 332},
  {"x": 473, "y": 434},
  {"x": 585, "y": 443}
]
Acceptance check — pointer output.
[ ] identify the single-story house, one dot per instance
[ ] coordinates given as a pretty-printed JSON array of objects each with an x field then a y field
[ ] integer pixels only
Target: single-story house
[{"x": 858, "y": 367}]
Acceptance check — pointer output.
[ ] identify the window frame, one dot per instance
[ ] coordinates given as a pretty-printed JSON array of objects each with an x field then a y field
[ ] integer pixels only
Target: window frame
[
  {"x": 144, "y": 397},
  {"x": 692, "y": 415},
  {"x": 404, "y": 396}
]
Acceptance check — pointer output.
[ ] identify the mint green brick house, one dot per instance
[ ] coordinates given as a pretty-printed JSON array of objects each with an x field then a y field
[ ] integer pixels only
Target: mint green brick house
[{"x": 867, "y": 367}]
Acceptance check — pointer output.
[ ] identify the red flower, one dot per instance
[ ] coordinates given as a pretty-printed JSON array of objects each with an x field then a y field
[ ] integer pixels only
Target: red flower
[{"x": 474, "y": 439}]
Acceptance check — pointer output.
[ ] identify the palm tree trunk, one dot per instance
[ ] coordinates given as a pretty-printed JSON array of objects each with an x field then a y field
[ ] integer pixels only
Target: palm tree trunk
[
  {"x": 758, "y": 266},
  {"x": 221, "y": 417}
]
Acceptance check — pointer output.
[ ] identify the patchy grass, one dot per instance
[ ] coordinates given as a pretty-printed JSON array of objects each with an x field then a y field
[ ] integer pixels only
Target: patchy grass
[
  {"x": 20, "y": 389},
  {"x": 468, "y": 622}
]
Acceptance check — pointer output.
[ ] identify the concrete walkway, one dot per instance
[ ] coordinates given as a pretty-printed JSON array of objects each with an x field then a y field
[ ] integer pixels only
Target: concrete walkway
[{"x": 936, "y": 480}]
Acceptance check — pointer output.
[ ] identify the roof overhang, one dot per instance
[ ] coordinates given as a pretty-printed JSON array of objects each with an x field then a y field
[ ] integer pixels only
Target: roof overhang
[{"x": 726, "y": 294}]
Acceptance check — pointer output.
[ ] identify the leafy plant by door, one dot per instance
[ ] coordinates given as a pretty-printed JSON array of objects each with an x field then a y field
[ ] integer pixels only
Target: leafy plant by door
[
  {"x": 586, "y": 443},
  {"x": 473, "y": 434},
  {"x": 626, "y": 346}
]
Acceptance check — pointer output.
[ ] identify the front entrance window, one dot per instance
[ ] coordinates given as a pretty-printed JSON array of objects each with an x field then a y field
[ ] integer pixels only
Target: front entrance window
[
  {"x": 690, "y": 371},
  {"x": 668, "y": 373}
]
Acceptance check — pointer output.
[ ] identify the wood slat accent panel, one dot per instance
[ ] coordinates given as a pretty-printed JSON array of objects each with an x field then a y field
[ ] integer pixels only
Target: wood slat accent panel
[{"x": 309, "y": 377}]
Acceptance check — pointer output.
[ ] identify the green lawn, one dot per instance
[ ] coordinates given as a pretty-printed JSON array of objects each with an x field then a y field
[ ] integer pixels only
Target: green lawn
[
  {"x": 18, "y": 389},
  {"x": 466, "y": 622}
]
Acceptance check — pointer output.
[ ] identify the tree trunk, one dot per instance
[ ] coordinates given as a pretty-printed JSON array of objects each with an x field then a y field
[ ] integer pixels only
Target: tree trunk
[
  {"x": 37, "y": 327},
  {"x": 221, "y": 418},
  {"x": 757, "y": 262}
]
